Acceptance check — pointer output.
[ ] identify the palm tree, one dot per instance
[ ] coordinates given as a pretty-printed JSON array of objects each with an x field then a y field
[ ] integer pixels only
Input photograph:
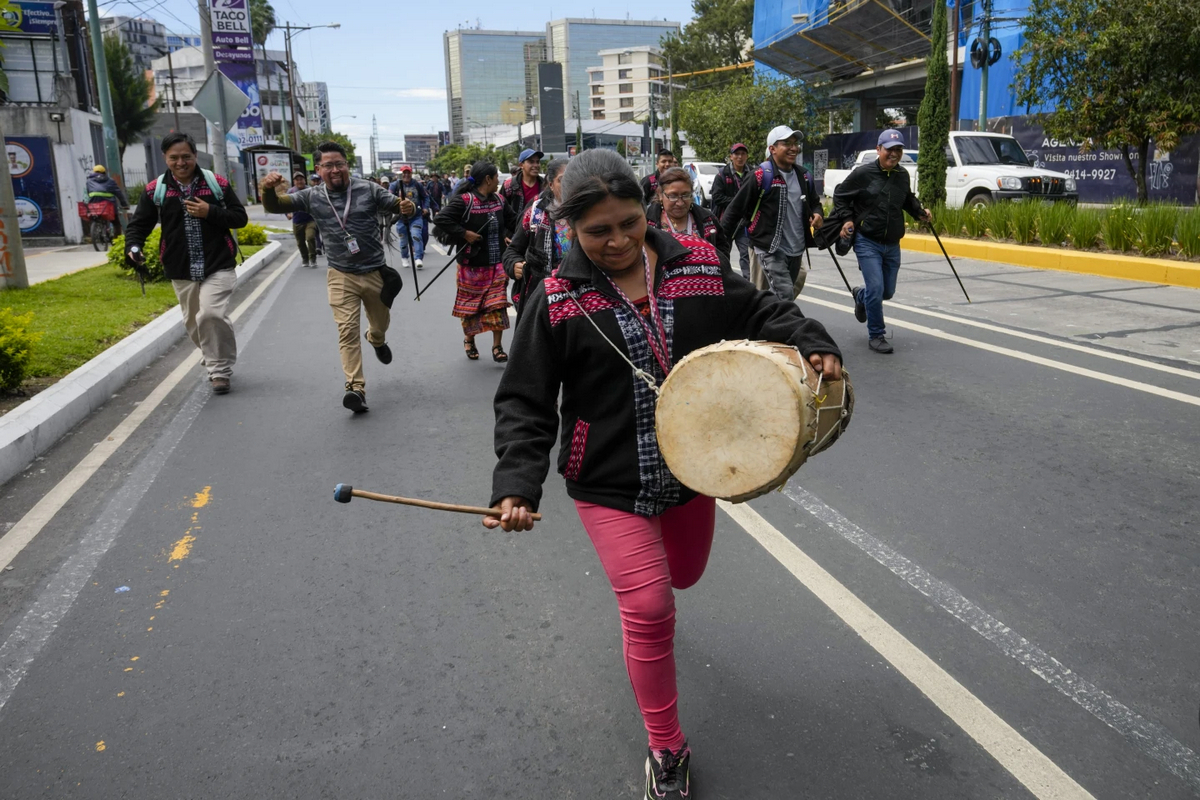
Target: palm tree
[
  {"x": 133, "y": 114},
  {"x": 262, "y": 25}
]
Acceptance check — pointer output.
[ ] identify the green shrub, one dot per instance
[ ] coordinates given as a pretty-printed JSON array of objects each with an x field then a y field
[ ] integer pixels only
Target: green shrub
[
  {"x": 996, "y": 220},
  {"x": 116, "y": 255},
  {"x": 1156, "y": 228},
  {"x": 1054, "y": 222},
  {"x": 948, "y": 220},
  {"x": 1119, "y": 228},
  {"x": 1084, "y": 228},
  {"x": 974, "y": 222},
  {"x": 1022, "y": 221},
  {"x": 134, "y": 193},
  {"x": 252, "y": 234},
  {"x": 16, "y": 345},
  {"x": 1189, "y": 233}
]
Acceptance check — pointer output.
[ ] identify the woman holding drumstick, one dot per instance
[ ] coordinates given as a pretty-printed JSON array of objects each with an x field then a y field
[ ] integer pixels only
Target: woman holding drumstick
[
  {"x": 626, "y": 291},
  {"x": 474, "y": 219}
]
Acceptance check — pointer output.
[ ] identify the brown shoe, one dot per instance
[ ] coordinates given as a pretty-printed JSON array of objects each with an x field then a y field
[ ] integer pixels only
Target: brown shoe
[{"x": 219, "y": 385}]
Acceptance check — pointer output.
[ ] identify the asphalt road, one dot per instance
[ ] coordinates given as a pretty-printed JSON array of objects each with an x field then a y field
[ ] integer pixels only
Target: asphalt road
[{"x": 1016, "y": 503}]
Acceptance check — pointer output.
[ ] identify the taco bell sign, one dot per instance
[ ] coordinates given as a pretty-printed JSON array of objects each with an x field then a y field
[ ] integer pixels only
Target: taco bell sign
[{"x": 230, "y": 23}]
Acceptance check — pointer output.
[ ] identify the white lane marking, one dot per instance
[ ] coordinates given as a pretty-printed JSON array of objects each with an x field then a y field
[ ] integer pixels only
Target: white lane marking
[
  {"x": 1033, "y": 337},
  {"x": 1012, "y": 750},
  {"x": 34, "y": 630},
  {"x": 30, "y": 525},
  {"x": 1152, "y": 738},
  {"x": 1170, "y": 394},
  {"x": 437, "y": 247}
]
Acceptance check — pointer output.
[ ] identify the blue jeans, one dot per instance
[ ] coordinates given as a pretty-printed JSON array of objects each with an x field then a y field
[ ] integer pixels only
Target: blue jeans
[
  {"x": 416, "y": 229},
  {"x": 880, "y": 265},
  {"x": 743, "y": 248}
]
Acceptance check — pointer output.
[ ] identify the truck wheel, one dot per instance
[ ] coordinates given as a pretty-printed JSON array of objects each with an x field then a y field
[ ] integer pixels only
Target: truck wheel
[{"x": 979, "y": 200}]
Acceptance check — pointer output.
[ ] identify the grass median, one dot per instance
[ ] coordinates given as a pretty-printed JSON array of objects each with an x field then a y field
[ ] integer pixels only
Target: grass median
[{"x": 80, "y": 316}]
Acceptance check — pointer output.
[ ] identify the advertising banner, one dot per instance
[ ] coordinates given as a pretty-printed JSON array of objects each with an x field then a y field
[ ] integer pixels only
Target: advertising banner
[
  {"x": 28, "y": 17},
  {"x": 273, "y": 161},
  {"x": 38, "y": 210},
  {"x": 230, "y": 23},
  {"x": 1102, "y": 176},
  {"x": 249, "y": 130}
]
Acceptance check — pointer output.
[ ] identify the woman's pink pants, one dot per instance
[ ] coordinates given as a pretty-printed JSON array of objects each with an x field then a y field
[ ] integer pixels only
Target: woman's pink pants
[{"x": 644, "y": 557}]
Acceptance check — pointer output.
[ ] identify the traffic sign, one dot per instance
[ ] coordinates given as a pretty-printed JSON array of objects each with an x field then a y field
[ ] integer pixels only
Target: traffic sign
[{"x": 220, "y": 101}]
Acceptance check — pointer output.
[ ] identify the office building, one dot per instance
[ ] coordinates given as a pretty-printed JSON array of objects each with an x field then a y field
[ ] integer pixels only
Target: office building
[
  {"x": 490, "y": 77},
  {"x": 384, "y": 158},
  {"x": 145, "y": 38},
  {"x": 420, "y": 149},
  {"x": 576, "y": 44},
  {"x": 627, "y": 84},
  {"x": 315, "y": 95},
  {"x": 178, "y": 41}
]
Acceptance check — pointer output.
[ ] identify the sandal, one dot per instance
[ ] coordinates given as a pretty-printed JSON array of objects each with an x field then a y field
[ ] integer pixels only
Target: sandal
[
  {"x": 472, "y": 353},
  {"x": 498, "y": 354}
]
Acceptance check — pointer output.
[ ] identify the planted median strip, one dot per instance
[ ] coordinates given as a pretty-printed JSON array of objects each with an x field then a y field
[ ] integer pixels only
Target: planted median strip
[{"x": 79, "y": 316}]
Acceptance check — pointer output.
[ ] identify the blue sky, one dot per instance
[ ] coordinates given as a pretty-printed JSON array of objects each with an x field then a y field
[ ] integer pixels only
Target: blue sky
[{"x": 387, "y": 57}]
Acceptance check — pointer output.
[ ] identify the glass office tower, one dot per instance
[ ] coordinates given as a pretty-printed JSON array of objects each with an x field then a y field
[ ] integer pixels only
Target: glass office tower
[
  {"x": 487, "y": 77},
  {"x": 575, "y": 43}
]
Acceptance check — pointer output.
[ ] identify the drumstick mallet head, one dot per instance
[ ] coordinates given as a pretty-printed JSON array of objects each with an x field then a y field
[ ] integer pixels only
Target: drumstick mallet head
[{"x": 343, "y": 492}]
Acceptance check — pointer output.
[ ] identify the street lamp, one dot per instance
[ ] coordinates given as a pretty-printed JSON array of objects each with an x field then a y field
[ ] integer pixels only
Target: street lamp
[
  {"x": 291, "y": 30},
  {"x": 343, "y": 116}
]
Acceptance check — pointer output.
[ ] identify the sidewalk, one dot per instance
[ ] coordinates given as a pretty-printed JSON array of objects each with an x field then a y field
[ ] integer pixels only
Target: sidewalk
[{"x": 46, "y": 263}]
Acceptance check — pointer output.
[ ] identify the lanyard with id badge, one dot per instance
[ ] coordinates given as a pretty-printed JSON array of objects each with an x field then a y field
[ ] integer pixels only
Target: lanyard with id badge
[{"x": 351, "y": 242}]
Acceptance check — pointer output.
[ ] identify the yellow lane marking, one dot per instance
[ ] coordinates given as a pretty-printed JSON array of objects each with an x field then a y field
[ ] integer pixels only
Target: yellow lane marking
[
  {"x": 201, "y": 499},
  {"x": 100, "y": 746},
  {"x": 183, "y": 547}
]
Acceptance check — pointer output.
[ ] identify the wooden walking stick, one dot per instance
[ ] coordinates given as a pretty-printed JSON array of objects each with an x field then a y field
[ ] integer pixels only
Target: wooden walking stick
[{"x": 344, "y": 492}]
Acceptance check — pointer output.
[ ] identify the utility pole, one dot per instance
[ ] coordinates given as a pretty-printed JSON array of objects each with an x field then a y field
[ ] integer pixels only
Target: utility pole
[
  {"x": 216, "y": 142},
  {"x": 374, "y": 144},
  {"x": 954, "y": 69},
  {"x": 12, "y": 249},
  {"x": 112, "y": 152},
  {"x": 985, "y": 35},
  {"x": 174, "y": 97},
  {"x": 671, "y": 98},
  {"x": 292, "y": 87},
  {"x": 653, "y": 133}
]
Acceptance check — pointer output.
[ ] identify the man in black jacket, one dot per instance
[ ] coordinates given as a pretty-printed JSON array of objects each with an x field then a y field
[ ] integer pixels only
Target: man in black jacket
[
  {"x": 522, "y": 189},
  {"x": 724, "y": 188},
  {"x": 778, "y": 209},
  {"x": 875, "y": 197},
  {"x": 197, "y": 210},
  {"x": 666, "y": 160}
]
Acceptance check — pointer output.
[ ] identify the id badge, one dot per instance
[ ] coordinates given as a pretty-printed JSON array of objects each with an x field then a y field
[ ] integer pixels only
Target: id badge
[{"x": 352, "y": 245}]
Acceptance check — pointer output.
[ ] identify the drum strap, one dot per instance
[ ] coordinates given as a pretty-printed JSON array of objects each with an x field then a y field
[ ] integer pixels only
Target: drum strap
[{"x": 638, "y": 372}]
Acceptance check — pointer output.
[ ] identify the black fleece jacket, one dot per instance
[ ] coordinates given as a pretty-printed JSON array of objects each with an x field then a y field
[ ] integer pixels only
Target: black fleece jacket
[
  {"x": 876, "y": 200},
  {"x": 763, "y": 226},
  {"x": 514, "y": 201},
  {"x": 605, "y": 410},
  {"x": 708, "y": 227}
]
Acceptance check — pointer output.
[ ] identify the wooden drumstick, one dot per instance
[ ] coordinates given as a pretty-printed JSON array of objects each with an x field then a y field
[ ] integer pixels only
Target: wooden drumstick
[{"x": 343, "y": 493}]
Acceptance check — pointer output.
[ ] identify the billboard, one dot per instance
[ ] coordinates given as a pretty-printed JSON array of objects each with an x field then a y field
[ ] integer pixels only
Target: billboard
[
  {"x": 28, "y": 17},
  {"x": 230, "y": 23},
  {"x": 38, "y": 210},
  {"x": 249, "y": 130}
]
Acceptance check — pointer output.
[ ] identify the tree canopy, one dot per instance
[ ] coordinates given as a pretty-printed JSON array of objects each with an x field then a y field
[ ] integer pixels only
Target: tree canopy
[
  {"x": 1119, "y": 74},
  {"x": 934, "y": 117},
  {"x": 745, "y": 110},
  {"x": 309, "y": 142},
  {"x": 717, "y": 36},
  {"x": 262, "y": 21},
  {"x": 452, "y": 158},
  {"x": 133, "y": 113}
]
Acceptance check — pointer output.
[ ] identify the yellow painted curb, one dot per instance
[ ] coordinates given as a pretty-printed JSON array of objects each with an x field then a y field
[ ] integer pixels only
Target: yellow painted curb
[{"x": 1108, "y": 265}]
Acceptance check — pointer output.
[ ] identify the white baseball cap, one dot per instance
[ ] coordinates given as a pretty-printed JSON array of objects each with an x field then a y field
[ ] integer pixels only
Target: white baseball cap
[{"x": 779, "y": 133}]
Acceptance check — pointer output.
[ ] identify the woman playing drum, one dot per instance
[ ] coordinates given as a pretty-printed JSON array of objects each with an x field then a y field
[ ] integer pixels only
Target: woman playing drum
[{"x": 652, "y": 299}]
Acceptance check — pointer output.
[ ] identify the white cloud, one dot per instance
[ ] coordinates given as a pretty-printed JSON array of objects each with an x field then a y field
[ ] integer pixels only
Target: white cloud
[{"x": 423, "y": 93}]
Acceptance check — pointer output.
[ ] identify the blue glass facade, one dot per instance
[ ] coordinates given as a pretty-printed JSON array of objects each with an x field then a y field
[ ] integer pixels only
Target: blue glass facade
[{"x": 486, "y": 77}]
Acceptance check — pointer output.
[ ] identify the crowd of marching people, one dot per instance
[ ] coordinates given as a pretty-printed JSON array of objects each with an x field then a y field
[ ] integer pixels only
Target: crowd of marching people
[{"x": 613, "y": 280}]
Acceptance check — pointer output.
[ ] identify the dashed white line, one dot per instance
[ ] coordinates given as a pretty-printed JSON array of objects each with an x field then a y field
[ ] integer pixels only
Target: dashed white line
[
  {"x": 1043, "y": 778},
  {"x": 1150, "y": 737}
]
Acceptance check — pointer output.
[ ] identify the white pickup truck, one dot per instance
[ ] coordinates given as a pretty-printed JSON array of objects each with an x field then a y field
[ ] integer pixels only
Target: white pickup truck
[{"x": 982, "y": 168}]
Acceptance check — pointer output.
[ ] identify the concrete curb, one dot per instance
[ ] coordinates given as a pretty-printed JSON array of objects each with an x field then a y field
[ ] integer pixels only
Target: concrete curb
[
  {"x": 33, "y": 427},
  {"x": 1108, "y": 265}
]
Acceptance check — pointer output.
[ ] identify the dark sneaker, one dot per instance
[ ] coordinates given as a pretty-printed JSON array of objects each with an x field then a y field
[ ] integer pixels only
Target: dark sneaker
[
  {"x": 383, "y": 353},
  {"x": 880, "y": 345},
  {"x": 860, "y": 310},
  {"x": 669, "y": 774},
  {"x": 219, "y": 385},
  {"x": 355, "y": 400}
]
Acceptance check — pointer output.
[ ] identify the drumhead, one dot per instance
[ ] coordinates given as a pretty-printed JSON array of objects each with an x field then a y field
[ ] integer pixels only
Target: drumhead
[{"x": 730, "y": 420}]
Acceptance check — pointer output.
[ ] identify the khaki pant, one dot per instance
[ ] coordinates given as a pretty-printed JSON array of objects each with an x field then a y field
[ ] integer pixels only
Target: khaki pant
[
  {"x": 205, "y": 307},
  {"x": 347, "y": 292},
  {"x": 306, "y": 241}
]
